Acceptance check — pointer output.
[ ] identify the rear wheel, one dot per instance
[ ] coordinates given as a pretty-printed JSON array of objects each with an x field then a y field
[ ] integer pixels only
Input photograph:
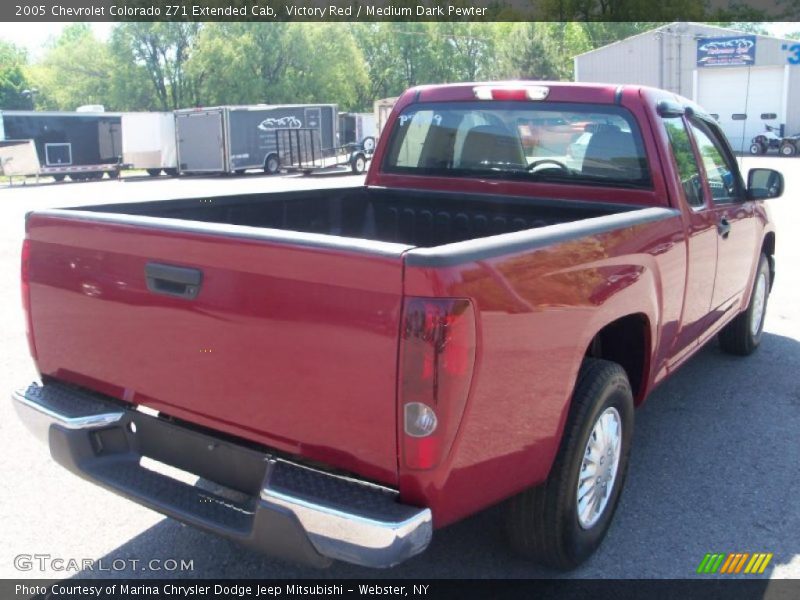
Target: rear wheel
[
  {"x": 272, "y": 165},
  {"x": 59, "y": 177},
  {"x": 743, "y": 335},
  {"x": 563, "y": 521},
  {"x": 788, "y": 149},
  {"x": 171, "y": 172},
  {"x": 154, "y": 172}
]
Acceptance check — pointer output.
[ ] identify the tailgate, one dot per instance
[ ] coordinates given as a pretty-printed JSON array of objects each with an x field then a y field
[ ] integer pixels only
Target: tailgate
[{"x": 290, "y": 339}]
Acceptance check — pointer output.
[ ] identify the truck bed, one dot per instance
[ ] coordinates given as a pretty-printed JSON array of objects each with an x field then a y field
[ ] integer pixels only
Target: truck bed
[
  {"x": 246, "y": 314},
  {"x": 421, "y": 219}
]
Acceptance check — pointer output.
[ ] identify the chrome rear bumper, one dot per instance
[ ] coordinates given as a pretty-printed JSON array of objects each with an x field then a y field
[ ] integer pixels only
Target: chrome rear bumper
[{"x": 280, "y": 508}]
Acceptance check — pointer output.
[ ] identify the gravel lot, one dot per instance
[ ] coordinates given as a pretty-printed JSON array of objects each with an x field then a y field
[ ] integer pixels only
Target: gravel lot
[{"x": 715, "y": 464}]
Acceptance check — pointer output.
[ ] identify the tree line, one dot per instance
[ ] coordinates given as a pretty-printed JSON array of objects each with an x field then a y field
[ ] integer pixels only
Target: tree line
[{"x": 168, "y": 65}]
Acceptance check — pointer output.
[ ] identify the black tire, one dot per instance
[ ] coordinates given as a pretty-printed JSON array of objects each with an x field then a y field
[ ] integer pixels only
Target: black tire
[
  {"x": 737, "y": 337},
  {"x": 171, "y": 172},
  {"x": 788, "y": 149},
  {"x": 154, "y": 172},
  {"x": 271, "y": 164},
  {"x": 239, "y": 171},
  {"x": 543, "y": 523},
  {"x": 756, "y": 149},
  {"x": 59, "y": 177}
]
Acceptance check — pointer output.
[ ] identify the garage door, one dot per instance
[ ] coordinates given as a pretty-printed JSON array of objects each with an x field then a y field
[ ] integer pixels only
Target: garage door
[{"x": 724, "y": 91}]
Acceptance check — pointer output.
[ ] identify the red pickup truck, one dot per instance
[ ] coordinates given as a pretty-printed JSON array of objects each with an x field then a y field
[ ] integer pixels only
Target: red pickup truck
[{"x": 331, "y": 374}]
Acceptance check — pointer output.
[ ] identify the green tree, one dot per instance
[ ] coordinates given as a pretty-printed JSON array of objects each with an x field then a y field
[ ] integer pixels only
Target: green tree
[
  {"x": 163, "y": 50},
  {"x": 13, "y": 82},
  {"x": 531, "y": 51},
  {"x": 73, "y": 71},
  {"x": 279, "y": 63}
]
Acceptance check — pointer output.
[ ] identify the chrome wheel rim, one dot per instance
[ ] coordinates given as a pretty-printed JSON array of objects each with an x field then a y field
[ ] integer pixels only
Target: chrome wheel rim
[
  {"x": 759, "y": 300},
  {"x": 599, "y": 467}
]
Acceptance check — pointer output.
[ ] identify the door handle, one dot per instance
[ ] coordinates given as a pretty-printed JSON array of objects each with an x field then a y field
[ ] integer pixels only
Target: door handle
[
  {"x": 724, "y": 228},
  {"x": 181, "y": 282}
]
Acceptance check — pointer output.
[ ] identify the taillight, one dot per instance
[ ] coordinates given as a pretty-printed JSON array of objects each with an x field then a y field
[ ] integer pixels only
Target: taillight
[
  {"x": 436, "y": 360},
  {"x": 25, "y": 287}
]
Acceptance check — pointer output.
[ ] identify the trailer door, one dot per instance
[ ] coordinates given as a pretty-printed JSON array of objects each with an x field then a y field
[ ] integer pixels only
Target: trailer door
[
  {"x": 200, "y": 141},
  {"x": 314, "y": 121}
]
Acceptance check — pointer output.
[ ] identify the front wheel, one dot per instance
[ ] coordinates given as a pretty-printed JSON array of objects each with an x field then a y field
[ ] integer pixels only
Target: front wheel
[
  {"x": 563, "y": 521},
  {"x": 756, "y": 148},
  {"x": 743, "y": 335}
]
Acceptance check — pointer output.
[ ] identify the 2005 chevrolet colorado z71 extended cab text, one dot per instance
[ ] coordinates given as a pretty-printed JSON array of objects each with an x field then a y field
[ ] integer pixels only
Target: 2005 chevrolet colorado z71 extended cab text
[{"x": 345, "y": 370}]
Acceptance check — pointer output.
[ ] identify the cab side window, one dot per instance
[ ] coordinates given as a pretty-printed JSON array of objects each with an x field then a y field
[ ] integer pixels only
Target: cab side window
[
  {"x": 721, "y": 173},
  {"x": 688, "y": 169}
]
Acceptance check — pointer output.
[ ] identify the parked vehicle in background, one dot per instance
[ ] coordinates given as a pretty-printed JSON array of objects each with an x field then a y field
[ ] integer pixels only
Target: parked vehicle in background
[
  {"x": 298, "y": 150},
  {"x": 772, "y": 140},
  {"x": 81, "y": 145},
  {"x": 382, "y": 109},
  {"x": 358, "y": 129},
  {"x": 549, "y": 135},
  {"x": 18, "y": 158},
  {"x": 148, "y": 142},
  {"x": 355, "y": 367},
  {"x": 232, "y": 139}
]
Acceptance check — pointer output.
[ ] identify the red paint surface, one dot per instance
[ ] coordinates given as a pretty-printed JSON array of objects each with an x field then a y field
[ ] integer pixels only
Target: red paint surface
[{"x": 304, "y": 342}]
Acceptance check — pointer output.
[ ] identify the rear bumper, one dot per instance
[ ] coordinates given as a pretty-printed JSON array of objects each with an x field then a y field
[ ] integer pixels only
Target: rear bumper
[{"x": 259, "y": 500}]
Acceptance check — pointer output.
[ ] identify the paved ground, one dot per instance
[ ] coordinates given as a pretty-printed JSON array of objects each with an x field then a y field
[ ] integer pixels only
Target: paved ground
[{"x": 715, "y": 466}]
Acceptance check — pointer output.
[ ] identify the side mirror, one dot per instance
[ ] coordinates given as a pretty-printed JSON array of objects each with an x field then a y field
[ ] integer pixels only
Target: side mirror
[{"x": 763, "y": 184}]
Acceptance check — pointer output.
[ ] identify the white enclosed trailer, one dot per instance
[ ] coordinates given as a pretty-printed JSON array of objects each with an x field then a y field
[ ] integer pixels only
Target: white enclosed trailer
[{"x": 148, "y": 142}]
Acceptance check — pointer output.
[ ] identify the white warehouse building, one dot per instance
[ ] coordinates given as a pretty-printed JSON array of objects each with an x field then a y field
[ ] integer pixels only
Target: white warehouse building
[{"x": 746, "y": 81}]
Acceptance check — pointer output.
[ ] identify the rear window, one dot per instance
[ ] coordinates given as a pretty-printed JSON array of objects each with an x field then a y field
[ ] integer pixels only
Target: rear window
[{"x": 555, "y": 142}]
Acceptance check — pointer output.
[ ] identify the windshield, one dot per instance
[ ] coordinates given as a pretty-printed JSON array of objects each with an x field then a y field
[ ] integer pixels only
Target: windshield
[{"x": 554, "y": 142}]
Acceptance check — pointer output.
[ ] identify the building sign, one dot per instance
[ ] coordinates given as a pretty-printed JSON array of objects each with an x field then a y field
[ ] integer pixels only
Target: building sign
[{"x": 726, "y": 51}]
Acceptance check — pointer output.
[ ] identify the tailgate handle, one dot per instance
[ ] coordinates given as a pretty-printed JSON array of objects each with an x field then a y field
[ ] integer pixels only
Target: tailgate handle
[{"x": 181, "y": 282}]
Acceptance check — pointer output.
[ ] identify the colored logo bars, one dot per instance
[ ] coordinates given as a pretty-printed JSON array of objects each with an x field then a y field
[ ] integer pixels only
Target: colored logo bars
[{"x": 735, "y": 562}]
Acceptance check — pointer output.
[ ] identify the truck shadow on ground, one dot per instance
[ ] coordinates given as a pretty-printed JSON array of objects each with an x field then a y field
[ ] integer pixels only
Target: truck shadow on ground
[{"x": 714, "y": 468}]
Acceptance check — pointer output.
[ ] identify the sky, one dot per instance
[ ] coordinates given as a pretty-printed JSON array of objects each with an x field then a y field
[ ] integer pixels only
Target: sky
[{"x": 34, "y": 35}]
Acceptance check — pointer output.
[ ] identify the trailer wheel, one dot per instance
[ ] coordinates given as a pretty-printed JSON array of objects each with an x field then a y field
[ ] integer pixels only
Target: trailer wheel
[
  {"x": 59, "y": 177},
  {"x": 788, "y": 149},
  {"x": 756, "y": 148},
  {"x": 171, "y": 172},
  {"x": 368, "y": 144},
  {"x": 240, "y": 171},
  {"x": 272, "y": 165},
  {"x": 154, "y": 172},
  {"x": 358, "y": 164}
]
